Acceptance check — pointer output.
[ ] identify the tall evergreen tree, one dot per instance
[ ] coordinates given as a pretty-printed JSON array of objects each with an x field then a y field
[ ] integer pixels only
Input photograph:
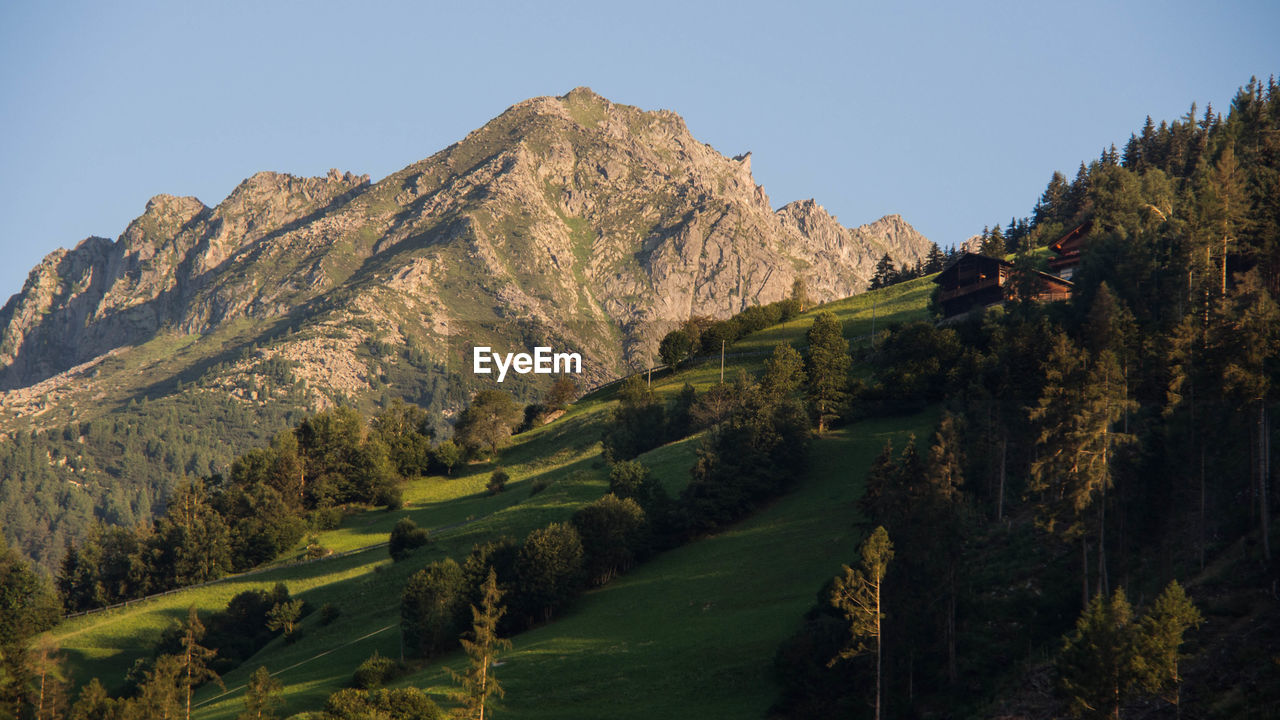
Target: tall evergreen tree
[
  {"x": 828, "y": 369},
  {"x": 1249, "y": 337},
  {"x": 47, "y": 695},
  {"x": 478, "y": 687},
  {"x": 1163, "y": 628},
  {"x": 160, "y": 696},
  {"x": 1081, "y": 402},
  {"x": 195, "y": 659},
  {"x": 993, "y": 243},
  {"x": 886, "y": 273},
  {"x": 858, "y": 594},
  {"x": 934, "y": 261},
  {"x": 1098, "y": 667}
]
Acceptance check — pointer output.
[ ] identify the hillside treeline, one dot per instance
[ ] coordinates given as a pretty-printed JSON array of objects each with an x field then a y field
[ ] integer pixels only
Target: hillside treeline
[{"x": 1092, "y": 449}]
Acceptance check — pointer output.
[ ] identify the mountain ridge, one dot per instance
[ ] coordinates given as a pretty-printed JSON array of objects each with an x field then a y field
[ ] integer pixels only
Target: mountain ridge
[{"x": 562, "y": 215}]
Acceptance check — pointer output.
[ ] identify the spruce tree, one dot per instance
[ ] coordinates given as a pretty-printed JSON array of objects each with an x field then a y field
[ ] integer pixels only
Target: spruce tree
[
  {"x": 1249, "y": 335},
  {"x": 1098, "y": 667},
  {"x": 94, "y": 703},
  {"x": 934, "y": 261},
  {"x": 1163, "y": 628},
  {"x": 160, "y": 697},
  {"x": 886, "y": 273},
  {"x": 828, "y": 368},
  {"x": 993, "y": 243},
  {"x": 478, "y": 687}
]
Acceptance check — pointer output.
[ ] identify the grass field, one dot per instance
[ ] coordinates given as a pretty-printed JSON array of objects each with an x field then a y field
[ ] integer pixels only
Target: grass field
[{"x": 690, "y": 634}]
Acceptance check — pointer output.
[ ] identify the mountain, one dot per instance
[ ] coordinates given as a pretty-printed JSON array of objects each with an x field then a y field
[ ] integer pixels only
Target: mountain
[
  {"x": 566, "y": 221},
  {"x": 573, "y": 219}
]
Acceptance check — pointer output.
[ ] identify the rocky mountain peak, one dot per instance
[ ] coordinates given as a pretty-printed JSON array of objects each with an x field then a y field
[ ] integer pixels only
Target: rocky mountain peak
[{"x": 567, "y": 220}]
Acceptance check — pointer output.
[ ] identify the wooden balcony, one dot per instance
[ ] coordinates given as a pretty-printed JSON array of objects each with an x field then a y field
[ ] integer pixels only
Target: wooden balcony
[{"x": 946, "y": 294}]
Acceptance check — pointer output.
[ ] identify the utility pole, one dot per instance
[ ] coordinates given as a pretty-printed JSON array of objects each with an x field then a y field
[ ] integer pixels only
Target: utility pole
[
  {"x": 722, "y": 361},
  {"x": 874, "y": 300}
]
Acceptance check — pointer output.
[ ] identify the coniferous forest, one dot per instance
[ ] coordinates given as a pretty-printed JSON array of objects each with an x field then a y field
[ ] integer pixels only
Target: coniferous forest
[{"x": 1085, "y": 530}]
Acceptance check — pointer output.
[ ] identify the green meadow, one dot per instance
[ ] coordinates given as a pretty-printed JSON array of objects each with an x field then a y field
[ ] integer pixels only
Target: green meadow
[{"x": 691, "y": 633}]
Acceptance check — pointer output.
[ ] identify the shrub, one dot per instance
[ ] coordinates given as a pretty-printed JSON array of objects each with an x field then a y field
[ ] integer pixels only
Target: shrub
[
  {"x": 401, "y": 703},
  {"x": 314, "y": 549},
  {"x": 375, "y": 672},
  {"x": 391, "y": 498},
  {"x": 328, "y": 518},
  {"x": 538, "y": 485},
  {"x": 406, "y": 536},
  {"x": 329, "y": 613},
  {"x": 497, "y": 481}
]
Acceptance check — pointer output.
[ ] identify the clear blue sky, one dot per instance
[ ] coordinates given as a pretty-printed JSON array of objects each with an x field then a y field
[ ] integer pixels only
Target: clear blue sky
[{"x": 952, "y": 114}]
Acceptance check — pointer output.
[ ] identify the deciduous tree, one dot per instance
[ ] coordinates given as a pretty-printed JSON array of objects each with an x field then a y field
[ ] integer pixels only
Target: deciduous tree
[
  {"x": 488, "y": 421},
  {"x": 261, "y": 696}
]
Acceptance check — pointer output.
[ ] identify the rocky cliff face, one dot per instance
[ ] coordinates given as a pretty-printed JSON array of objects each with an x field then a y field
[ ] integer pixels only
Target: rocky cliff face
[
  {"x": 571, "y": 221},
  {"x": 101, "y": 295}
]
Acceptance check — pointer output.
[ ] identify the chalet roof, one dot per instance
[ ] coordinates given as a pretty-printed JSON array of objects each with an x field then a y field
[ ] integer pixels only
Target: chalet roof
[
  {"x": 1075, "y": 233},
  {"x": 962, "y": 257},
  {"x": 1001, "y": 262}
]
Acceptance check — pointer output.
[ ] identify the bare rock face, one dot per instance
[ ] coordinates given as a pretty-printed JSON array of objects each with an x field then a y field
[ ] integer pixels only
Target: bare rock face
[
  {"x": 840, "y": 260},
  {"x": 570, "y": 221},
  {"x": 81, "y": 303}
]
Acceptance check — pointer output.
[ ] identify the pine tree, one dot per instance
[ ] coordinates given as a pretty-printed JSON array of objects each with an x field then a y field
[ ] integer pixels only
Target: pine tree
[
  {"x": 1113, "y": 656},
  {"x": 858, "y": 594},
  {"x": 828, "y": 368},
  {"x": 195, "y": 658},
  {"x": 261, "y": 696},
  {"x": 1163, "y": 628},
  {"x": 886, "y": 273},
  {"x": 1249, "y": 334},
  {"x": 477, "y": 686},
  {"x": 1221, "y": 210},
  {"x": 993, "y": 243},
  {"x": 1098, "y": 667},
  {"x": 1081, "y": 402},
  {"x": 1051, "y": 206},
  {"x": 935, "y": 260},
  {"x": 941, "y": 508}
]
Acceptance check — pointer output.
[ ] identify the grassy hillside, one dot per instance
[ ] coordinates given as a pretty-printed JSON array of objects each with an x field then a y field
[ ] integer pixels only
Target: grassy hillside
[{"x": 694, "y": 629}]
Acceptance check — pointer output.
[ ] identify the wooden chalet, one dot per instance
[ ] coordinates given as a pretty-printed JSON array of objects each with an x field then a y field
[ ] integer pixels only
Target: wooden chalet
[
  {"x": 977, "y": 281},
  {"x": 1068, "y": 249}
]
